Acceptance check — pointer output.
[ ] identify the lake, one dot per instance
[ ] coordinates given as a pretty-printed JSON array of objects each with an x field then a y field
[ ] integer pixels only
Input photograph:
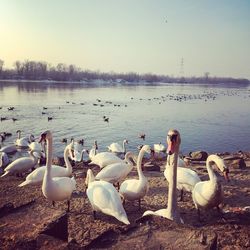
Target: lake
[{"x": 210, "y": 118}]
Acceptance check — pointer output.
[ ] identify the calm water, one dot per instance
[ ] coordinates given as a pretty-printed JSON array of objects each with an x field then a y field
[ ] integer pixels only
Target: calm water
[{"x": 215, "y": 119}]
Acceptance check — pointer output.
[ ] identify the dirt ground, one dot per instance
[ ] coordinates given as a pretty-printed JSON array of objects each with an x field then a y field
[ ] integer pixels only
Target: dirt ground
[{"x": 29, "y": 221}]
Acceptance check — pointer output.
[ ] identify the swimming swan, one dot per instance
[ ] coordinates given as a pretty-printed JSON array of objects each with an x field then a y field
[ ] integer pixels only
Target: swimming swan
[
  {"x": 171, "y": 212},
  {"x": 105, "y": 198},
  {"x": 57, "y": 188},
  {"x": 136, "y": 189},
  {"x": 117, "y": 148}
]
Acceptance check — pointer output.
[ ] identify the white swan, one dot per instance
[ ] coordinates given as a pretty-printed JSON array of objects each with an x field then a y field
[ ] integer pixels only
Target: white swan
[
  {"x": 36, "y": 176},
  {"x": 159, "y": 147},
  {"x": 105, "y": 198},
  {"x": 209, "y": 194},
  {"x": 21, "y": 165},
  {"x": 186, "y": 178},
  {"x": 23, "y": 142},
  {"x": 4, "y": 159},
  {"x": 171, "y": 212},
  {"x": 57, "y": 188},
  {"x": 116, "y": 172},
  {"x": 93, "y": 151},
  {"x": 136, "y": 189},
  {"x": 117, "y": 148},
  {"x": 105, "y": 158},
  {"x": 77, "y": 152},
  {"x": 10, "y": 149}
]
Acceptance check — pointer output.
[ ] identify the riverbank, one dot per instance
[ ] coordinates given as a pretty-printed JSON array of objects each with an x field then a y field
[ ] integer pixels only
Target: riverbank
[{"x": 28, "y": 220}]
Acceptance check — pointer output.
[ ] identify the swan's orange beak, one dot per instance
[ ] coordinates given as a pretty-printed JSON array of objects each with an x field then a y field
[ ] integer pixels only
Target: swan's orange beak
[{"x": 171, "y": 147}]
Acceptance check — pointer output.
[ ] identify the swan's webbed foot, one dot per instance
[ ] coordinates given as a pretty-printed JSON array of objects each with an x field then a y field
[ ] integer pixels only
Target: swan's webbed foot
[
  {"x": 53, "y": 203},
  {"x": 199, "y": 215}
]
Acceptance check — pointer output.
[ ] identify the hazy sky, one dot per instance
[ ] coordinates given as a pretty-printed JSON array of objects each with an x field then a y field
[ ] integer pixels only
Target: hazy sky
[{"x": 130, "y": 35}]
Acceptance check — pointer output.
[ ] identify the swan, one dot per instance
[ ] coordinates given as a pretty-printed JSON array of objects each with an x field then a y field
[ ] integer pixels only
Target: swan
[
  {"x": 209, "y": 194},
  {"x": 57, "y": 188},
  {"x": 93, "y": 151},
  {"x": 77, "y": 153},
  {"x": 136, "y": 189},
  {"x": 22, "y": 164},
  {"x": 105, "y": 158},
  {"x": 117, "y": 148},
  {"x": 159, "y": 148},
  {"x": 104, "y": 198},
  {"x": 36, "y": 176},
  {"x": 171, "y": 212},
  {"x": 186, "y": 178},
  {"x": 23, "y": 142},
  {"x": 10, "y": 149},
  {"x": 4, "y": 159},
  {"x": 116, "y": 172},
  {"x": 37, "y": 147}
]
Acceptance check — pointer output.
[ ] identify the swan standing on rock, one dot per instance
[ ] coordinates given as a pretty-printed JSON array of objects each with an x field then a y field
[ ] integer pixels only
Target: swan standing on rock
[
  {"x": 57, "y": 188},
  {"x": 36, "y": 177},
  {"x": 171, "y": 212},
  {"x": 105, "y": 198},
  {"x": 105, "y": 158},
  {"x": 21, "y": 165},
  {"x": 116, "y": 172},
  {"x": 186, "y": 178},
  {"x": 136, "y": 189},
  {"x": 117, "y": 148},
  {"x": 209, "y": 194}
]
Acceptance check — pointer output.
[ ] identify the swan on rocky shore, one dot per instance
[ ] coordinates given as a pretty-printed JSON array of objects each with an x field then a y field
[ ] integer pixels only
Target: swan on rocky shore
[{"x": 104, "y": 198}]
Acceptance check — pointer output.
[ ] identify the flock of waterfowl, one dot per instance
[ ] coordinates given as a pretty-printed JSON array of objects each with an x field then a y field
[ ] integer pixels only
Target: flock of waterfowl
[{"x": 58, "y": 183}]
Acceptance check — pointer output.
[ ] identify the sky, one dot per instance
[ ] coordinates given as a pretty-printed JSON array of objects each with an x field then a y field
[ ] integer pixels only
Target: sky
[{"x": 143, "y": 36}]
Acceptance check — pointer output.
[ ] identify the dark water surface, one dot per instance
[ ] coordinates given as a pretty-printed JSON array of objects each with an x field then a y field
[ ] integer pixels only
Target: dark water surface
[{"x": 211, "y": 118}]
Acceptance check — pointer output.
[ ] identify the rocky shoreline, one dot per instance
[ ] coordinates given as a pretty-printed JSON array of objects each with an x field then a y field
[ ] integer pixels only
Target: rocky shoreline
[{"x": 29, "y": 221}]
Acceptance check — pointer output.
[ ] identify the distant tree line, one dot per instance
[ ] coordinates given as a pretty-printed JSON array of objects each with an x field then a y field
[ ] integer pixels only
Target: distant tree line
[{"x": 33, "y": 70}]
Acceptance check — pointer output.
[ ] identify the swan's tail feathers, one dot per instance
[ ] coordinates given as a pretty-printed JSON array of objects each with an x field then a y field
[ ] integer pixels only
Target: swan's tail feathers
[
  {"x": 148, "y": 212},
  {"x": 73, "y": 181},
  {"x": 6, "y": 173},
  {"x": 124, "y": 219},
  {"x": 25, "y": 183}
]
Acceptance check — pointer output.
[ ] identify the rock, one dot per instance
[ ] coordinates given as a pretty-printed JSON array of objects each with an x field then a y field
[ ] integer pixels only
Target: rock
[
  {"x": 149, "y": 166},
  {"x": 58, "y": 161},
  {"x": 198, "y": 156},
  {"x": 238, "y": 163},
  {"x": 58, "y": 228}
]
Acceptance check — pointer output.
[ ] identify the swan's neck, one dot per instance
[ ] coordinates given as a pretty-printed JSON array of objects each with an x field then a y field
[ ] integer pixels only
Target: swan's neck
[
  {"x": 139, "y": 163},
  {"x": 90, "y": 177},
  {"x": 18, "y": 134},
  {"x": 128, "y": 157},
  {"x": 124, "y": 147},
  {"x": 173, "y": 212},
  {"x": 66, "y": 159},
  {"x": 33, "y": 156},
  {"x": 49, "y": 156},
  {"x": 210, "y": 170}
]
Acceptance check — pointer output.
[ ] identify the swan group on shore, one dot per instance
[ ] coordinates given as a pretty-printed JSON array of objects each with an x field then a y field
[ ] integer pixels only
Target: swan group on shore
[{"x": 57, "y": 183}]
